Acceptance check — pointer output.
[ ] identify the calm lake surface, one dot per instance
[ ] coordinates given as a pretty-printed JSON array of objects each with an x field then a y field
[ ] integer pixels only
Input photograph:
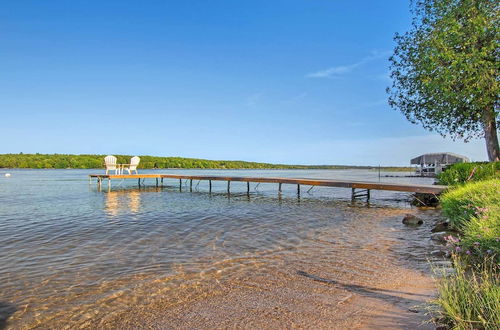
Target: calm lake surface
[{"x": 70, "y": 253}]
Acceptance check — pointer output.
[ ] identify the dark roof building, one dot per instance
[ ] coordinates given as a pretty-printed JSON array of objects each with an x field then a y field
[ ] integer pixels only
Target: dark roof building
[
  {"x": 443, "y": 158},
  {"x": 432, "y": 164}
]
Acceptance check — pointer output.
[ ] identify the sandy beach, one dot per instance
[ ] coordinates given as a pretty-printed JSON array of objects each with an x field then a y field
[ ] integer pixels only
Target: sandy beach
[{"x": 309, "y": 289}]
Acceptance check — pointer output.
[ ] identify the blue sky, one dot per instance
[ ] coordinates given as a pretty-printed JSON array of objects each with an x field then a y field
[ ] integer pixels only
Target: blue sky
[{"x": 284, "y": 81}]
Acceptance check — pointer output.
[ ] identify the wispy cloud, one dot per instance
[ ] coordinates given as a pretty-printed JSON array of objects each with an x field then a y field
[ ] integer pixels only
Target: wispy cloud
[
  {"x": 253, "y": 99},
  {"x": 372, "y": 104},
  {"x": 294, "y": 99},
  {"x": 381, "y": 150},
  {"x": 344, "y": 69}
]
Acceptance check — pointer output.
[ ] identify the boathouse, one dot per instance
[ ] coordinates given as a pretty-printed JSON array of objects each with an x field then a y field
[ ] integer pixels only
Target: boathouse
[{"x": 435, "y": 163}]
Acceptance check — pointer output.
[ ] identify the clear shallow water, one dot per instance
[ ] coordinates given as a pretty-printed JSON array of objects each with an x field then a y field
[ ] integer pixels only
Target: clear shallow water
[{"x": 69, "y": 253}]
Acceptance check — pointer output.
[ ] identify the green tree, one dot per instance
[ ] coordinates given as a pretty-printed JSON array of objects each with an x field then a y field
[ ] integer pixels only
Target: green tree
[{"x": 446, "y": 69}]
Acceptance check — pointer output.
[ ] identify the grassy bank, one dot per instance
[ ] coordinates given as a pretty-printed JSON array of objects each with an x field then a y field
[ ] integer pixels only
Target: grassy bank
[
  {"x": 474, "y": 211},
  {"x": 152, "y": 162},
  {"x": 470, "y": 298}
]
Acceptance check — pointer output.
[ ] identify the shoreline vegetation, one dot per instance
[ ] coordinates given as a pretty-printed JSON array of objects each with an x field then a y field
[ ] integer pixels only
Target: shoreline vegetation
[
  {"x": 70, "y": 161},
  {"x": 469, "y": 297}
]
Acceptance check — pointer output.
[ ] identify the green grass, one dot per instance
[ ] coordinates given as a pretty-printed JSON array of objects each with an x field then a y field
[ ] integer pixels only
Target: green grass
[
  {"x": 474, "y": 210},
  {"x": 470, "y": 298},
  {"x": 461, "y": 173},
  {"x": 463, "y": 203}
]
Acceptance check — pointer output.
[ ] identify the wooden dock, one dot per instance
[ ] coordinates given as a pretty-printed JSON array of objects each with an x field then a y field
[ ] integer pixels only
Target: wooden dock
[{"x": 359, "y": 188}]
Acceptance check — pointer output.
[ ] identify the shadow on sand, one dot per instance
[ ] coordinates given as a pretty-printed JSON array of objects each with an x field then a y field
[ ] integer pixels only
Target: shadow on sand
[
  {"x": 411, "y": 302},
  {"x": 367, "y": 291},
  {"x": 6, "y": 311}
]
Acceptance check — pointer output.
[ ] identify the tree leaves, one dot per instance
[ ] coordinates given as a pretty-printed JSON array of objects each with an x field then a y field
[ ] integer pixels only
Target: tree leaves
[{"x": 445, "y": 70}]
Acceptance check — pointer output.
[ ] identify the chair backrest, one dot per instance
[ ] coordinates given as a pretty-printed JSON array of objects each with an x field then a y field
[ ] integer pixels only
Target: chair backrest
[
  {"x": 134, "y": 162},
  {"x": 110, "y": 162}
]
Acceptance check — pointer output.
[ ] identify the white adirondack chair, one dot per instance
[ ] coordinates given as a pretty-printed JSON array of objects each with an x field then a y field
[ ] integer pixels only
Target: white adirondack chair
[
  {"x": 110, "y": 162},
  {"x": 134, "y": 162}
]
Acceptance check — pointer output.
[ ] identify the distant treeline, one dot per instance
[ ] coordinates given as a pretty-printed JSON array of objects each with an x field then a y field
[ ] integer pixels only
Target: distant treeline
[{"x": 149, "y": 162}]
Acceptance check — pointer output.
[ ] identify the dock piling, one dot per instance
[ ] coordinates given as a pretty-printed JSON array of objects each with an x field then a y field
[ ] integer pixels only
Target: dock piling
[
  {"x": 210, "y": 186},
  {"x": 359, "y": 189},
  {"x": 361, "y": 193}
]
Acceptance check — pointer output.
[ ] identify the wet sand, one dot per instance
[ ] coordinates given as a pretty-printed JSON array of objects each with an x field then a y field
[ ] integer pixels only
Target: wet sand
[
  {"x": 326, "y": 285},
  {"x": 299, "y": 300}
]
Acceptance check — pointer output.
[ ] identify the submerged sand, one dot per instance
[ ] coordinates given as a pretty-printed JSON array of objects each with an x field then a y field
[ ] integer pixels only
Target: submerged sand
[{"x": 327, "y": 285}]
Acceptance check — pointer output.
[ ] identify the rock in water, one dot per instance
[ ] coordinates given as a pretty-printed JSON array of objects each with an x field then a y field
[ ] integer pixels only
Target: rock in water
[
  {"x": 441, "y": 253},
  {"x": 440, "y": 237},
  {"x": 412, "y": 220},
  {"x": 421, "y": 199},
  {"x": 441, "y": 226}
]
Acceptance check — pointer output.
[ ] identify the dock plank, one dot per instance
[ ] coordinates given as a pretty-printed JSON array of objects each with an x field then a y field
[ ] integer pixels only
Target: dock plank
[{"x": 416, "y": 188}]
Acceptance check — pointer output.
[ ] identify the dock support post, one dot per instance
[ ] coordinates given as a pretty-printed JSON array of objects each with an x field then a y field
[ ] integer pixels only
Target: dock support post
[
  {"x": 139, "y": 182},
  {"x": 279, "y": 187},
  {"x": 191, "y": 185},
  {"x": 109, "y": 184},
  {"x": 157, "y": 182},
  {"x": 180, "y": 184},
  {"x": 210, "y": 186},
  {"x": 229, "y": 187},
  {"x": 298, "y": 189},
  {"x": 162, "y": 182},
  {"x": 360, "y": 193},
  {"x": 248, "y": 187}
]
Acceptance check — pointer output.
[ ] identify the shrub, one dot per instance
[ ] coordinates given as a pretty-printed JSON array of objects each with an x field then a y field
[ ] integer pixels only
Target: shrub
[
  {"x": 470, "y": 298},
  {"x": 461, "y": 173},
  {"x": 463, "y": 203},
  {"x": 474, "y": 209}
]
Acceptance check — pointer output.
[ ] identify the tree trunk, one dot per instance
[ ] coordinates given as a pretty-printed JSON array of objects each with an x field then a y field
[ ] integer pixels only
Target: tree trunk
[{"x": 491, "y": 136}]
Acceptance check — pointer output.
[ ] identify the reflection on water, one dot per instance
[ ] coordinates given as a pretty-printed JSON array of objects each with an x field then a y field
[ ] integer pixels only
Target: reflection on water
[
  {"x": 122, "y": 201},
  {"x": 134, "y": 201},
  {"x": 112, "y": 203},
  {"x": 62, "y": 262}
]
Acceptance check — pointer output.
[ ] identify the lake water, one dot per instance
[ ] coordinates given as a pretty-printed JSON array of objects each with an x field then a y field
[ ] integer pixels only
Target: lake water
[{"x": 70, "y": 253}]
